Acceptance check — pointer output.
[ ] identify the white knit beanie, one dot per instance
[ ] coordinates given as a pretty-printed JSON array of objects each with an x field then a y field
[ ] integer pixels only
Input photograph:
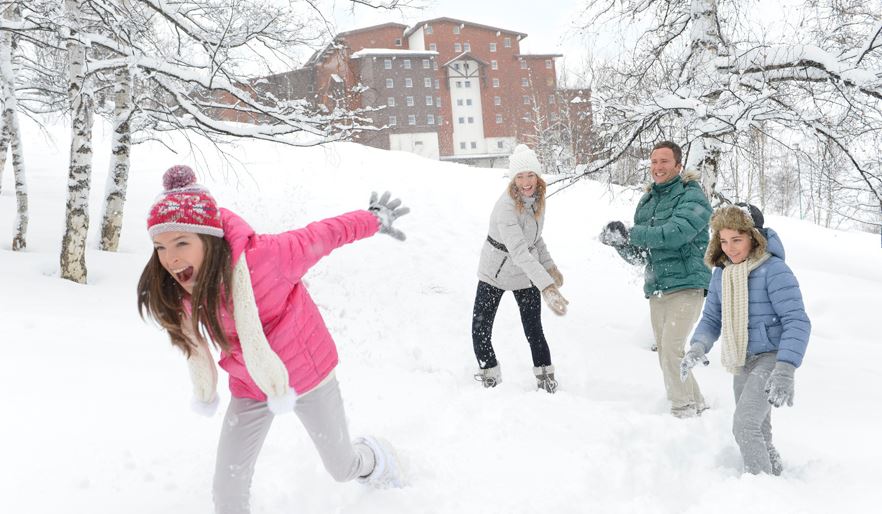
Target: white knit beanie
[{"x": 523, "y": 159}]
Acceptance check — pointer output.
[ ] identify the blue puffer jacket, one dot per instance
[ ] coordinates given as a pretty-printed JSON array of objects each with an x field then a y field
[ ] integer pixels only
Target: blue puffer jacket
[{"x": 776, "y": 316}]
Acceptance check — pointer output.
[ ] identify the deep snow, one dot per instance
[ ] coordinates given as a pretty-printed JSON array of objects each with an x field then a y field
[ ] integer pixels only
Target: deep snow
[{"x": 96, "y": 414}]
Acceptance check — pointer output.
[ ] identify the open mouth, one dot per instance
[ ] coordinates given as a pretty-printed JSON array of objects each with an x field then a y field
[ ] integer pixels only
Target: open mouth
[{"x": 183, "y": 275}]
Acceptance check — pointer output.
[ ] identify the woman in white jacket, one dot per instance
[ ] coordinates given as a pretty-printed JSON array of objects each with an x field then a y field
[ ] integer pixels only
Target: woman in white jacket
[{"x": 514, "y": 258}]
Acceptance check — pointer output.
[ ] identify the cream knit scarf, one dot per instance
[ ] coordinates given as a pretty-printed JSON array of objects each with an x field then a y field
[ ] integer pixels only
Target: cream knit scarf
[{"x": 735, "y": 311}]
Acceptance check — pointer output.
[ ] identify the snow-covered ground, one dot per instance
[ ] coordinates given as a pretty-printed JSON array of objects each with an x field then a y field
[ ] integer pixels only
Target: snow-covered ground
[{"x": 96, "y": 414}]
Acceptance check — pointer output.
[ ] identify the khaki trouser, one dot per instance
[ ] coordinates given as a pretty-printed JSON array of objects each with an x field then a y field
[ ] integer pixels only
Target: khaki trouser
[{"x": 673, "y": 315}]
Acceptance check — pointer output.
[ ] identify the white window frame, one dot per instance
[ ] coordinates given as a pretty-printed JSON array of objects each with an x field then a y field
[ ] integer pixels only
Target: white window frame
[
  {"x": 525, "y": 82},
  {"x": 506, "y": 42},
  {"x": 430, "y": 100},
  {"x": 548, "y": 64},
  {"x": 457, "y": 48},
  {"x": 492, "y": 47},
  {"x": 393, "y": 121},
  {"x": 409, "y": 101},
  {"x": 390, "y": 84},
  {"x": 497, "y": 100},
  {"x": 466, "y": 47},
  {"x": 498, "y": 118},
  {"x": 407, "y": 64},
  {"x": 427, "y": 82},
  {"x": 430, "y": 119},
  {"x": 390, "y": 101},
  {"x": 494, "y": 65},
  {"x": 411, "y": 119},
  {"x": 427, "y": 64},
  {"x": 387, "y": 64},
  {"x": 433, "y": 47},
  {"x": 408, "y": 82},
  {"x": 495, "y": 82},
  {"x": 523, "y": 64},
  {"x": 526, "y": 100}
]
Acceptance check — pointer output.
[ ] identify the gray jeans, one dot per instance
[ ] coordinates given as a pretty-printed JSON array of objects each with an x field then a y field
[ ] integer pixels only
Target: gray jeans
[
  {"x": 752, "y": 423},
  {"x": 246, "y": 425}
]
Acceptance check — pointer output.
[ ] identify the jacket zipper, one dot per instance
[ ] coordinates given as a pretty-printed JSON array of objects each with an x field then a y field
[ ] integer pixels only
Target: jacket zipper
[{"x": 501, "y": 264}]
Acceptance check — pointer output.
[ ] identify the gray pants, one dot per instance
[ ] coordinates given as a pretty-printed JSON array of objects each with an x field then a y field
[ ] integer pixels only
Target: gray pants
[
  {"x": 246, "y": 425},
  {"x": 673, "y": 315},
  {"x": 752, "y": 423}
]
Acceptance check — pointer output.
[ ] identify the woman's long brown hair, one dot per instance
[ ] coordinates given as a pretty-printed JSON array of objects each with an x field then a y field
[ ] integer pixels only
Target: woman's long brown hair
[
  {"x": 160, "y": 295},
  {"x": 540, "y": 196}
]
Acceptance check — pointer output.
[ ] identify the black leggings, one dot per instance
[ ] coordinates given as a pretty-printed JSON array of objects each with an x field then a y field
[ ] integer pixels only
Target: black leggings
[{"x": 487, "y": 302}]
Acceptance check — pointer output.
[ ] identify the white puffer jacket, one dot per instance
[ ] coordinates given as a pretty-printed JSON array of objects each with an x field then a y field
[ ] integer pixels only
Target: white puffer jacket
[{"x": 527, "y": 260}]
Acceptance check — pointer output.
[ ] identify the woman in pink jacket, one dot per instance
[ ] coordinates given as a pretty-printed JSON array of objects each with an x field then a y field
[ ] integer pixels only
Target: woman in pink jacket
[{"x": 250, "y": 301}]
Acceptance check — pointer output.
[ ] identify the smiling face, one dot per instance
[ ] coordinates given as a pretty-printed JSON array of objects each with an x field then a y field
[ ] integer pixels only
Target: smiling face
[
  {"x": 181, "y": 254},
  {"x": 525, "y": 182},
  {"x": 736, "y": 245},
  {"x": 663, "y": 166}
]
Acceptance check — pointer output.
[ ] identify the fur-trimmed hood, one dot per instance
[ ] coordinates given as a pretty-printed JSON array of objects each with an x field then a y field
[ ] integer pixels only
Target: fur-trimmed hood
[
  {"x": 685, "y": 177},
  {"x": 732, "y": 217}
]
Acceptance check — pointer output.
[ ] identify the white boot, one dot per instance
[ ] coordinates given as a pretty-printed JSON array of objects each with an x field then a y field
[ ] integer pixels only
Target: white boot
[
  {"x": 545, "y": 378},
  {"x": 387, "y": 471},
  {"x": 490, "y": 377}
]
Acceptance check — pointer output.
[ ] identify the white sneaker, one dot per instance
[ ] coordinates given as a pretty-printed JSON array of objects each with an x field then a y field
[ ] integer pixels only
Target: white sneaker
[{"x": 387, "y": 470}]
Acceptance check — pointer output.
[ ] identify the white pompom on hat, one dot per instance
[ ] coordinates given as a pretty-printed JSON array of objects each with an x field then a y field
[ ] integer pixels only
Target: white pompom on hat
[{"x": 521, "y": 160}]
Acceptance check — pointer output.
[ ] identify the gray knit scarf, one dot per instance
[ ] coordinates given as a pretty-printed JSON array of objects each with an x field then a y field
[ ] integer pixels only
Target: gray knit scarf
[{"x": 735, "y": 311}]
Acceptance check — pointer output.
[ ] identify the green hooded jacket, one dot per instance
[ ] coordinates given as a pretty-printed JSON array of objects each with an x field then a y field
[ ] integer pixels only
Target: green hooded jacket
[{"x": 670, "y": 236}]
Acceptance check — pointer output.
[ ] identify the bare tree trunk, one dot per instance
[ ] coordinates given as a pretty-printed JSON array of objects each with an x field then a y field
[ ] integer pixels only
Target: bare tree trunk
[
  {"x": 11, "y": 133},
  {"x": 118, "y": 177},
  {"x": 73, "y": 244}
]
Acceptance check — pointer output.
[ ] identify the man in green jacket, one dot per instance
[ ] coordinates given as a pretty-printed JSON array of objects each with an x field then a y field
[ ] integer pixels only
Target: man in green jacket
[{"x": 669, "y": 237}]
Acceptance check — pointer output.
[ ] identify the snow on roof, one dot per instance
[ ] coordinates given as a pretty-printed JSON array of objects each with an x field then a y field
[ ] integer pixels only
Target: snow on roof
[{"x": 390, "y": 51}]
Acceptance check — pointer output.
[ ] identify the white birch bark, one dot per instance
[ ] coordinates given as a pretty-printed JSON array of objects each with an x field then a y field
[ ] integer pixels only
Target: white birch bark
[
  {"x": 11, "y": 136},
  {"x": 73, "y": 244},
  {"x": 117, "y": 178}
]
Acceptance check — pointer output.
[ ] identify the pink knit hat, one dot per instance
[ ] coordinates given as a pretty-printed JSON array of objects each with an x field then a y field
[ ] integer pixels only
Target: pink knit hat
[{"x": 184, "y": 206}]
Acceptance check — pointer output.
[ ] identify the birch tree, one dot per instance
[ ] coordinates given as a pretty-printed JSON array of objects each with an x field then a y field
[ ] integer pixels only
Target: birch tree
[{"x": 10, "y": 135}]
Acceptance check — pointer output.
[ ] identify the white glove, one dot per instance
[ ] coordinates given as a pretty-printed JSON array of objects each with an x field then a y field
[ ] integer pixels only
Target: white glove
[
  {"x": 387, "y": 212},
  {"x": 555, "y": 300}
]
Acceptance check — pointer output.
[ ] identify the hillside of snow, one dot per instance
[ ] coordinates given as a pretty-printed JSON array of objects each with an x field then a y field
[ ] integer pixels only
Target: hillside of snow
[{"x": 96, "y": 416}]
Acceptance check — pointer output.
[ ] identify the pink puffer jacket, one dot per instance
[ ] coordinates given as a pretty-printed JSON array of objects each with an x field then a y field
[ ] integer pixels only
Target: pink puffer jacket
[{"x": 291, "y": 321}]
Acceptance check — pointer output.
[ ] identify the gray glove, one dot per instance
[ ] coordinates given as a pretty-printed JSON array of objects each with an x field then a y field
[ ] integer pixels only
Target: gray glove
[
  {"x": 555, "y": 300},
  {"x": 780, "y": 384},
  {"x": 387, "y": 212},
  {"x": 614, "y": 234},
  {"x": 693, "y": 356}
]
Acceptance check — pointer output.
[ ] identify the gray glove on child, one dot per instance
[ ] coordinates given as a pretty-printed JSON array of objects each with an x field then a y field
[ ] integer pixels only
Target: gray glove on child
[
  {"x": 555, "y": 300},
  {"x": 387, "y": 212},
  {"x": 780, "y": 384},
  {"x": 693, "y": 356}
]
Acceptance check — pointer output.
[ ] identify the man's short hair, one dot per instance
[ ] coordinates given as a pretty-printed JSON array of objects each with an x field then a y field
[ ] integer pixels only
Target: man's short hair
[{"x": 674, "y": 147}]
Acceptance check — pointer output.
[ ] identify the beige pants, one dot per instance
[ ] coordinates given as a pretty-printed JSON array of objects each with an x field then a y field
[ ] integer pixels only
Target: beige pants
[{"x": 673, "y": 315}]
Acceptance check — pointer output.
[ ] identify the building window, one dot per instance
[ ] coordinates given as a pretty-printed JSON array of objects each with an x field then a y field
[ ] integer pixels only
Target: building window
[
  {"x": 506, "y": 42},
  {"x": 398, "y": 41},
  {"x": 495, "y": 82},
  {"x": 466, "y": 66},
  {"x": 548, "y": 64},
  {"x": 551, "y": 99},
  {"x": 549, "y": 81},
  {"x": 468, "y": 83},
  {"x": 433, "y": 47},
  {"x": 474, "y": 145},
  {"x": 471, "y": 119},
  {"x": 426, "y": 64},
  {"x": 462, "y": 145},
  {"x": 428, "y": 29},
  {"x": 430, "y": 119},
  {"x": 468, "y": 101},
  {"x": 393, "y": 121},
  {"x": 459, "y": 101},
  {"x": 439, "y": 119},
  {"x": 525, "y": 82},
  {"x": 429, "y": 100},
  {"x": 456, "y": 29},
  {"x": 494, "y": 65},
  {"x": 437, "y": 84},
  {"x": 456, "y": 66},
  {"x": 407, "y": 64},
  {"x": 467, "y": 47},
  {"x": 390, "y": 101},
  {"x": 438, "y": 102},
  {"x": 526, "y": 100},
  {"x": 461, "y": 120},
  {"x": 498, "y": 118},
  {"x": 427, "y": 82},
  {"x": 523, "y": 64},
  {"x": 389, "y": 84},
  {"x": 410, "y": 101},
  {"x": 499, "y": 143},
  {"x": 458, "y": 83},
  {"x": 387, "y": 64},
  {"x": 497, "y": 100},
  {"x": 310, "y": 89},
  {"x": 408, "y": 82},
  {"x": 492, "y": 47},
  {"x": 411, "y": 119},
  {"x": 457, "y": 47},
  {"x": 435, "y": 64}
]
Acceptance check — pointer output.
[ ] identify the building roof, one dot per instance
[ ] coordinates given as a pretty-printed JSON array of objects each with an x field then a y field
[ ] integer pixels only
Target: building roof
[
  {"x": 467, "y": 55},
  {"x": 537, "y": 56},
  {"x": 372, "y": 27},
  {"x": 521, "y": 35},
  {"x": 391, "y": 51}
]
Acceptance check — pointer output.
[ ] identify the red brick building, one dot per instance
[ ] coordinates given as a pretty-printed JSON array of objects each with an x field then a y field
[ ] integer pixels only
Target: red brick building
[{"x": 486, "y": 96}]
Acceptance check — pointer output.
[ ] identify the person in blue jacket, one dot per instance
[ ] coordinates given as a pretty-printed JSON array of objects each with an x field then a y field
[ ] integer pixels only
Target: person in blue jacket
[{"x": 755, "y": 304}]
